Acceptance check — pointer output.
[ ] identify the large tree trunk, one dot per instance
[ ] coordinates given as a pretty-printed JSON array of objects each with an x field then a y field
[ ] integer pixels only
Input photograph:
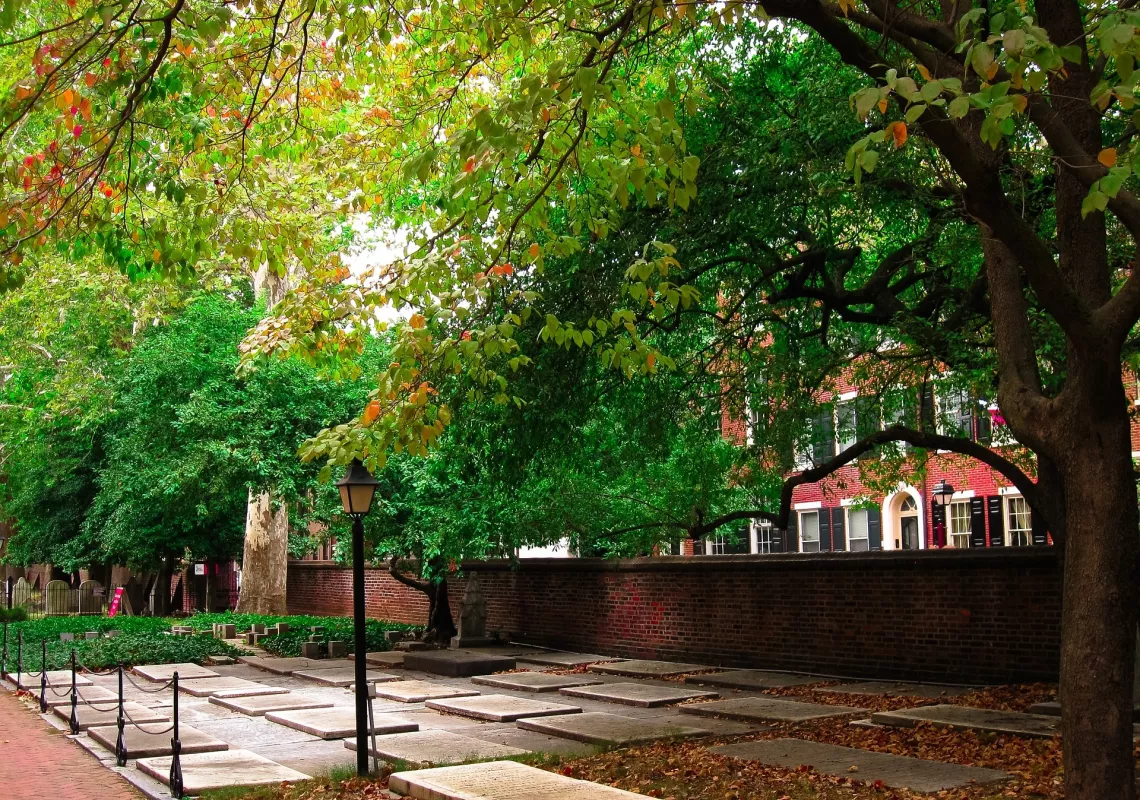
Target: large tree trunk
[
  {"x": 265, "y": 557},
  {"x": 161, "y": 602},
  {"x": 441, "y": 624}
]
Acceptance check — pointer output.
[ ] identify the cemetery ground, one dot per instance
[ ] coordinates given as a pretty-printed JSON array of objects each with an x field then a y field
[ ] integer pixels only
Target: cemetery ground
[{"x": 656, "y": 729}]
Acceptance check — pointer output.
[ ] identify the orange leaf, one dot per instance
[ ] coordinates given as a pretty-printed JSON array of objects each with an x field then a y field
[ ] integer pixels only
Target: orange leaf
[
  {"x": 898, "y": 131},
  {"x": 371, "y": 412},
  {"x": 417, "y": 321},
  {"x": 535, "y": 250},
  {"x": 69, "y": 97},
  {"x": 924, "y": 72},
  {"x": 546, "y": 115},
  {"x": 156, "y": 255},
  {"x": 991, "y": 70},
  {"x": 636, "y": 149},
  {"x": 1107, "y": 156},
  {"x": 90, "y": 79},
  {"x": 883, "y": 106},
  {"x": 1019, "y": 102}
]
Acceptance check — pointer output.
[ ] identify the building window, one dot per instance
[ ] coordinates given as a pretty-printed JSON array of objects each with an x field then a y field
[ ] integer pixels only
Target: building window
[
  {"x": 1018, "y": 522},
  {"x": 822, "y": 435},
  {"x": 715, "y": 545},
  {"x": 809, "y": 532},
  {"x": 845, "y": 424},
  {"x": 857, "y": 538},
  {"x": 960, "y": 527},
  {"x": 763, "y": 537}
]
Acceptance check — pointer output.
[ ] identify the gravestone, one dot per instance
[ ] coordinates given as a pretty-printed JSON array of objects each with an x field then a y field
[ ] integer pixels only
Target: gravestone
[
  {"x": 609, "y": 729},
  {"x": 282, "y": 627},
  {"x": 113, "y": 634},
  {"x": 67, "y": 637},
  {"x": 472, "y": 617},
  {"x": 21, "y": 593},
  {"x": 257, "y": 627},
  {"x": 90, "y": 597},
  {"x": 310, "y": 650},
  {"x": 91, "y": 635},
  {"x": 437, "y": 747},
  {"x": 223, "y": 769},
  {"x": 497, "y": 779},
  {"x": 58, "y": 596},
  {"x": 337, "y": 650},
  {"x": 226, "y": 630}
]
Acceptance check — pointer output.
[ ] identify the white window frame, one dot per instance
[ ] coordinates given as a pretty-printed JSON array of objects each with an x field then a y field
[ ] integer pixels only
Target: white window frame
[
  {"x": 715, "y": 545},
  {"x": 842, "y": 443},
  {"x": 762, "y": 537},
  {"x": 866, "y": 530},
  {"x": 803, "y": 541},
  {"x": 1008, "y": 514},
  {"x": 951, "y": 534}
]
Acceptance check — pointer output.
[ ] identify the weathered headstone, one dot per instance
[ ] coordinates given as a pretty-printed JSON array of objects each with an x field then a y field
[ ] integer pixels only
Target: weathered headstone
[
  {"x": 393, "y": 636},
  {"x": 472, "y": 617},
  {"x": 57, "y": 598},
  {"x": 282, "y": 627},
  {"x": 90, "y": 597},
  {"x": 310, "y": 650},
  {"x": 337, "y": 650},
  {"x": 226, "y": 631},
  {"x": 89, "y": 635},
  {"x": 67, "y": 637},
  {"x": 21, "y": 593},
  {"x": 257, "y": 627}
]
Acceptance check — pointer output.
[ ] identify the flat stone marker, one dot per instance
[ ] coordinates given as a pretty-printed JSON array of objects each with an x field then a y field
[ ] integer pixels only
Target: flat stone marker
[
  {"x": 888, "y": 689},
  {"x": 203, "y": 771},
  {"x": 108, "y": 714},
  {"x": 258, "y": 690},
  {"x": 534, "y": 681},
  {"x": 608, "y": 729},
  {"x": 164, "y": 672},
  {"x": 976, "y": 719},
  {"x": 92, "y": 694},
  {"x": 753, "y": 709},
  {"x": 342, "y": 677},
  {"x": 898, "y": 772},
  {"x": 750, "y": 679},
  {"x": 383, "y": 658},
  {"x": 562, "y": 659},
  {"x": 143, "y": 744},
  {"x": 337, "y": 723},
  {"x": 501, "y": 707},
  {"x": 457, "y": 663},
  {"x": 640, "y": 668},
  {"x": 419, "y": 691},
  {"x": 437, "y": 747},
  {"x": 287, "y": 666},
  {"x": 646, "y": 695},
  {"x": 498, "y": 780},
  {"x": 204, "y": 687},
  {"x": 1051, "y": 708},
  {"x": 59, "y": 678},
  {"x": 260, "y": 705}
]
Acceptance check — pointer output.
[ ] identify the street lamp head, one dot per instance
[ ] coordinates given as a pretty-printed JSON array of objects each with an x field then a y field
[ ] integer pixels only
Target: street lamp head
[
  {"x": 357, "y": 488},
  {"x": 943, "y": 493}
]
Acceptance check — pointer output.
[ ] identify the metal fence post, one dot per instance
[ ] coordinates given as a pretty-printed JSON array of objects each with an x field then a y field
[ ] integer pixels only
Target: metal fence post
[
  {"x": 43, "y": 677},
  {"x": 120, "y": 744},
  {"x": 19, "y": 660},
  {"x": 176, "y": 789},
  {"x": 73, "y": 722},
  {"x": 4, "y": 654}
]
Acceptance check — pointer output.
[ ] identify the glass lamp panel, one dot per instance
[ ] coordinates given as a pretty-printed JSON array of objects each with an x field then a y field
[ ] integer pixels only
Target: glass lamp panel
[{"x": 360, "y": 497}]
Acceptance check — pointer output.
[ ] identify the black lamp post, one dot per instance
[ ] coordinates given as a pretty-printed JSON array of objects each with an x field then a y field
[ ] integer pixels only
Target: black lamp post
[
  {"x": 943, "y": 493},
  {"x": 357, "y": 488}
]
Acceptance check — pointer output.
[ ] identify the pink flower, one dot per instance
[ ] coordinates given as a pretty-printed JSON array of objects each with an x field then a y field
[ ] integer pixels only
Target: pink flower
[{"x": 77, "y": 131}]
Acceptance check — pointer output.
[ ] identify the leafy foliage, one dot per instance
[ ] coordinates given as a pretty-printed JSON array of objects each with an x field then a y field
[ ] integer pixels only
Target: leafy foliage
[{"x": 289, "y": 643}]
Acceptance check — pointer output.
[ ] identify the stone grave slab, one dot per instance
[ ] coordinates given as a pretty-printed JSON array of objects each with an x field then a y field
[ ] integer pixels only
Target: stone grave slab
[
  {"x": 898, "y": 772},
  {"x": 287, "y": 666},
  {"x": 314, "y": 757},
  {"x": 770, "y": 709},
  {"x": 889, "y": 689},
  {"x": 342, "y": 676},
  {"x": 457, "y": 663},
  {"x": 90, "y": 694},
  {"x": 562, "y": 659},
  {"x": 641, "y": 668},
  {"x": 977, "y": 719},
  {"x": 437, "y": 747},
  {"x": 337, "y": 722},
  {"x": 534, "y": 681},
  {"x": 645, "y": 695},
  {"x": 757, "y": 679},
  {"x": 383, "y": 658},
  {"x": 144, "y": 744},
  {"x": 164, "y": 672},
  {"x": 205, "y": 687},
  {"x": 260, "y": 705},
  {"x": 500, "y": 707},
  {"x": 202, "y": 771},
  {"x": 419, "y": 691},
  {"x": 1051, "y": 708},
  {"x": 58, "y": 678},
  {"x": 608, "y": 729},
  {"x": 498, "y": 780},
  {"x": 100, "y": 715}
]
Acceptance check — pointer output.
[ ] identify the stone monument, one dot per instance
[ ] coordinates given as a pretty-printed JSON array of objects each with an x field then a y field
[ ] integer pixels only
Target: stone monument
[{"x": 473, "y": 618}]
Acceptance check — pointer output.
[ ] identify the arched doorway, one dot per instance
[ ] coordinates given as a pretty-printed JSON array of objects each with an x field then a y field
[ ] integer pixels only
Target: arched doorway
[
  {"x": 908, "y": 524},
  {"x": 903, "y": 527}
]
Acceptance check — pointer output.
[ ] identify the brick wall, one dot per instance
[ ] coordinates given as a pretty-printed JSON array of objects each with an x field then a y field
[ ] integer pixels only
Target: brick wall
[{"x": 964, "y": 616}]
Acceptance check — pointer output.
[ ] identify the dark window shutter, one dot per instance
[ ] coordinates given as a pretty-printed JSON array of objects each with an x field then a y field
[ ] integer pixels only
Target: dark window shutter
[
  {"x": 698, "y": 547},
  {"x": 838, "y": 530},
  {"x": 822, "y": 436},
  {"x": 1037, "y": 529},
  {"x": 792, "y": 541},
  {"x": 977, "y": 522},
  {"x": 824, "y": 530},
  {"x": 741, "y": 544},
  {"x": 868, "y": 420},
  {"x": 983, "y": 425},
  {"x": 938, "y": 523},
  {"x": 926, "y": 408},
  {"x": 997, "y": 523},
  {"x": 778, "y": 538},
  {"x": 874, "y": 529}
]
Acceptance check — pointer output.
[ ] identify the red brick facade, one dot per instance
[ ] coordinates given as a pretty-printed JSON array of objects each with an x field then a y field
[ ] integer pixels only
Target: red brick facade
[{"x": 967, "y": 615}]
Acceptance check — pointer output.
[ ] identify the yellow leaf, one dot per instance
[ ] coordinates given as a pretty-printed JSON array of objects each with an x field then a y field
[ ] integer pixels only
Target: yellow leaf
[
  {"x": 1019, "y": 102},
  {"x": 924, "y": 72},
  {"x": 417, "y": 321},
  {"x": 1107, "y": 156}
]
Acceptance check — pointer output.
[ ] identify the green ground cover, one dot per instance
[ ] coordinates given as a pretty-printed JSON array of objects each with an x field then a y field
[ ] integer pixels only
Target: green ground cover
[{"x": 289, "y": 644}]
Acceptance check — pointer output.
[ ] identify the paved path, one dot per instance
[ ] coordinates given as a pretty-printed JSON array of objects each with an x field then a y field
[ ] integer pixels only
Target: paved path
[{"x": 38, "y": 762}]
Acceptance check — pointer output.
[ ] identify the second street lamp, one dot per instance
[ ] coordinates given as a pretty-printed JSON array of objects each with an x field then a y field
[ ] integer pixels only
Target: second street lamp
[{"x": 357, "y": 488}]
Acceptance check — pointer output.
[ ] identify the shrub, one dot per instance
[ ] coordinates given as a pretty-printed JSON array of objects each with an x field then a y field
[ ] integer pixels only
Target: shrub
[
  {"x": 289, "y": 644},
  {"x": 17, "y": 614}
]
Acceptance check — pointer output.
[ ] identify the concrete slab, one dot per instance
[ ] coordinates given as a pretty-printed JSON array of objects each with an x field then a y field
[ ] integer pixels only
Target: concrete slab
[
  {"x": 164, "y": 672},
  {"x": 259, "y": 690},
  {"x": 609, "y": 729},
  {"x": 58, "y": 678},
  {"x": 437, "y": 747},
  {"x": 1049, "y": 709},
  {"x": 260, "y": 705},
  {"x": 315, "y": 757},
  {"x": 897, "y": 772},
  {"x": 419, "y": 691},
  {"x": 143, "y": 744},
  {"x": 457, "y": 663},
  {"x": 534, "y": 681},
  {"x": 204, "y": 687},
  {"x": 90, "y": 694},
  {"x": 500, "y": 707},
  {"x": 287, "y": 666},
  {"x": 640, "y": 668},
  {"x": 767, "y": 709},
  {"x": 342, "y": 676},
  {"x": 384, "y": 658},
  {"x": 645, "y": 695},
  {"x": 101, "y": 715},
  {"x": 562, "y": 659},
  {"x": 498, "y": 780},
  {"x": 977, "y": 719},
  {"x": 202, "y": 771},
  {"x": 757, "y": 679},
  {"x": 889, "y": 689},
  {"x": 338, "y": 722}
]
